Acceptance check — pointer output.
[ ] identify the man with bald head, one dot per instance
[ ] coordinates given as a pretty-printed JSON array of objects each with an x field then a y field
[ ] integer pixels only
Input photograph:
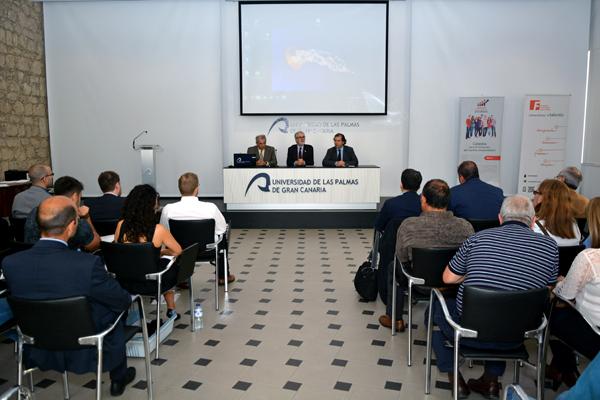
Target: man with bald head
[
  {"x": 50, "y": 270},
  {"x": 41, "y": 180}
]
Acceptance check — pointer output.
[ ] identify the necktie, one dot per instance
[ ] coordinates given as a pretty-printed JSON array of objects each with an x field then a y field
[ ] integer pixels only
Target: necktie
[
  {"x": 300, "y": 152},
  {"x": 339, "y": 157},
  {"x": 261, "y": 154}
]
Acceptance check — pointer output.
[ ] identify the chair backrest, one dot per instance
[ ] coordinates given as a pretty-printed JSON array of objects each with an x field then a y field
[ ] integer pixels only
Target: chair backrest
[
  {"x": 481, "y": 224},
  {"x": 566, "y": 255},
  {"x": 14, "y": 247},
  {"x": 387, "y": 244},
  {"x": 429, "y": 264},
  {"x": 105, "y": 226},
  {"x": 503, "y": 315},
  {"x": 187, "y": 261},
  {"x": 188, "y": 232},
  {"x": 54, "y": 324},
  {"x": 582, "y": 224},
  {"x": 18, "y": 228},
  {"x": 131, "y": 261}
]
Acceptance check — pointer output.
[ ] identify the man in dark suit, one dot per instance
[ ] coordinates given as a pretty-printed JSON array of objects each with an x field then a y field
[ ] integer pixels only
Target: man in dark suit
[
  {"x": 109, "y": 205},
  {"x": 50, "y": 270},
  {"x": 265, "y": 155},
  {"x": 408, "y": 204},
  {"x": 300, "y": 154},
  {"x": 473, "y": 198},
  {"x": 340, "y": 155}
]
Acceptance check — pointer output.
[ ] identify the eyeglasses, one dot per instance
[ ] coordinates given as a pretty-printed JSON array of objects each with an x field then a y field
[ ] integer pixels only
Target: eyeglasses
[{"x": 535, "y": 192}]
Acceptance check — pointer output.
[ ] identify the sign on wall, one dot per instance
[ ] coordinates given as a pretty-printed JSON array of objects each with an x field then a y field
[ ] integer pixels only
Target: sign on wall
[
  {"x": 481, "y": 135},
  {"x": 543, "y": 145}
]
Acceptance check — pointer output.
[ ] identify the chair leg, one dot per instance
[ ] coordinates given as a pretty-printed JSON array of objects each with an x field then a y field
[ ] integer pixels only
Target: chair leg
[
  {"x": 99, "y": 372},
  {"x": 19, "y": 365},
  {"x": 158, "y": 300},
  {"x": 394, "y": 294},
  {"x": 65, "y": 380},
  {"x": 456, "y": 372},
  {"x": 146, "y": 347},
  {"x": 30, "y": 381},
  {"x": 410, "y": 313},
  {"x": 541, "y": 366},
  {"x": 217, "y": 278},
  {"x": 428, "y": 350},
  {"x": 226, "y": 270},
  {"x": 516, "y": 372},
  {"x": 470, "y": 363},
  {"x": 192, "y": 325}
]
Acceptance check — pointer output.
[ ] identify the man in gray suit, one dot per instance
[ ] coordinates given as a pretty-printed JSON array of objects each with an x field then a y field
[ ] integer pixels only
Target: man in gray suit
[{"x": 265, "y": 155}]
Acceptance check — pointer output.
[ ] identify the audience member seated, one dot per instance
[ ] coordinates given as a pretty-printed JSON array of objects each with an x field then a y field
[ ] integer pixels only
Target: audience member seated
[
  {"x": 588, "y": 385},
  {"x": 41, "y": 180},
  {"x": 473, "y": 198},
  {"x": 340, "y": 155},
  {"x": 510, "y": 257},
  {"x": 85, "y": 236},
  {"x": 408, "y": 204},
  {"x": 435, "y": 227},
  {"x": 190, "y": 207},
  {"x": 572, "y": 177},
  {"x": 110, "y": 204},
  {"x": 554, "y": 213},
  {"x": 581, "y": 284},
  {"x": 50, "y": 270},
  {"x": 139, "y": 226},
  {"x": 300, "y": 154},
  {"x": 266, "y": 156}
]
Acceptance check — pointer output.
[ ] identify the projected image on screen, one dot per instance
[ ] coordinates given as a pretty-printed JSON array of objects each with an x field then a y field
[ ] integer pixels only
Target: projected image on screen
[{"x": 313, "y": 58}]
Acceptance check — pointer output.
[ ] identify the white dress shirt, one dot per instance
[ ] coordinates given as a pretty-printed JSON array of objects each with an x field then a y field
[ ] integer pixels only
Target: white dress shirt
[{"x": 189, "y": 207}]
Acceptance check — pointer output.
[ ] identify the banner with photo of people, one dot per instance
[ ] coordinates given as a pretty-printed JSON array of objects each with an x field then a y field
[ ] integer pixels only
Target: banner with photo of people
[
  {"x": 480, "y": 135},
  {"x": 544, "y": 140}
]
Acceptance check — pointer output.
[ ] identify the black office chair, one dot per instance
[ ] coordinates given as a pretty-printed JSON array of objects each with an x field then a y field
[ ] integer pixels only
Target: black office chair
[
  {"x": 428, "y": 265},
  {"x": 482, "y": 224},
  {"x": 202, "y": 231},
  {"x": 485, "y": 313},
  {"x": 13, "y": 247},
  {"x": 583, "y": 227},
  {"x": 566, "y": 255},
  {"x": 67, "y": 324},
  {"x": 17, "y": 225},
  {"x": 186, "y": 262},
  {"x": 387, "y": 249},
  {"x": 134, "y": 264},
  {"x": 105, "y": 227}
]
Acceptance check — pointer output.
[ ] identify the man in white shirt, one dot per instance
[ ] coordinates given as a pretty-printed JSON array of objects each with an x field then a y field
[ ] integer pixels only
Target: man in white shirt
[{"x": 190, "y": 207}]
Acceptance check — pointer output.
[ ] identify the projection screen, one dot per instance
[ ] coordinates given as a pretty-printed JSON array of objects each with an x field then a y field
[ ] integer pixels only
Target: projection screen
[{"x": 313, "y": 58}]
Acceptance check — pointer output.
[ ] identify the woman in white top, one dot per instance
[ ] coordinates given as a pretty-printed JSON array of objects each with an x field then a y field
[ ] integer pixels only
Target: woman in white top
[
  {"x": 582, "y": 284},
  {"x": 554, "y": 214}
]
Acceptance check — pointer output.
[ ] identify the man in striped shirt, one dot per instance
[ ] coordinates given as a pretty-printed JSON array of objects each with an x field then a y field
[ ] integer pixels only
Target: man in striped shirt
[{"x": 510, "y": 257}]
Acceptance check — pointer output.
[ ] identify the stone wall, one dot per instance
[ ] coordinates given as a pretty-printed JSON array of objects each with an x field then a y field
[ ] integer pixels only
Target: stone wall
[{"x": 23, "y": 103}]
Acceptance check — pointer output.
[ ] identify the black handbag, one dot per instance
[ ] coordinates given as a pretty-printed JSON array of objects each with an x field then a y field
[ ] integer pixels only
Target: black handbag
[{"x": 365, "y": 281}]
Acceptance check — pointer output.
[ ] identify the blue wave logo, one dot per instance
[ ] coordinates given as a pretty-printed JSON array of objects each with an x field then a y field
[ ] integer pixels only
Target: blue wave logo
[
  {"x": 285, "y": 122},
  {"x": 265, "y": 188}
]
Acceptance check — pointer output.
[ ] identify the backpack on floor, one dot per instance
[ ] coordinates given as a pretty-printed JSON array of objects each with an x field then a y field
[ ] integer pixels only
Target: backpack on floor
[{"x": 365, "y": 281}]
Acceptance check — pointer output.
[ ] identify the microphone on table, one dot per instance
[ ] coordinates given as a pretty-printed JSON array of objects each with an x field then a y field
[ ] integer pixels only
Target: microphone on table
[{"x": 135, "y": 138}]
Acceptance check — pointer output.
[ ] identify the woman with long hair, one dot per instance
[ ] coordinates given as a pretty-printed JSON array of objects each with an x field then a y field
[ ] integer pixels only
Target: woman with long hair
[
  {"x": 582, "y": 284},
  {"x": 554, "y": 213},
  {"x": 139, "y": 225}
]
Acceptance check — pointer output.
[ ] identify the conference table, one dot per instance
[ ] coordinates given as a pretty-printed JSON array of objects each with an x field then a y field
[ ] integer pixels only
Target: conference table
[{"x": 306, "y": 188}]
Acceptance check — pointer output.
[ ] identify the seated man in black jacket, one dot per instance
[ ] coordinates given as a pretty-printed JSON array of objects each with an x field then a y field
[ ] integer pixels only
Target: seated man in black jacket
[
  {"x": 340, "y": 155},
  {"x": 50, "y": 270},
  {"x": 109, "y": 205}
]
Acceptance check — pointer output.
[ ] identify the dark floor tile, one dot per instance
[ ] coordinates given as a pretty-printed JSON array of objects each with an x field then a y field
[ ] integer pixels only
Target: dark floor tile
[
  {"x": 368, "y": 312},
  {"x": 380, "y": 343},
  {"x": 289, "y": 385},
  {"x": 295, "y": 343},
  {"x": 44, "y": 383},
  {"x": 334, "y": 326},
  {"x": 332, "y": 312},
  {"x": 343, "y": 386},
  {"x": 264, "y": 301},
  {"x": 373, "y": 326},
  {"x": 298, "y": 290},
  {"x": 269, "y": 280},
  {"x": 248, "y": 362},
  {"x": 241, "y": 385},
  {"x": 141, "y": 385},
  {"x": 90, "y": 384},
  {"x": 297, "y": 300},
  {"x": 261, "y": 312},
  {"x": 257, "y": 326},
  {"x": 181, "y": 326},
  {"x": 339, "y": 363},
  {"x": 267, "y": 290},
  {"x": 296, "y": 326},
  {"x": 331, "y": 300},
  {"x": 203, "y": 362},
  {"x": 297, "y": 312},
  {"x": 170, "y": 342},
  {"x": 390, "y": 385},
  {"x": 211, "y": 342},
  {"x": 219, "y": 326},
  {"x": 253, "y": 342},
  {"x": 337, "y": 343},
  {"x": 192, "y": 385},
  {"x": 420, "y": 342},
  {"x": 293, "y": 362},
  {"x": 443, "y": 385},
  {"x": 385, "y": 362},
  {"x": 158, "y": 361},
  {"x": 298, "y": 280}
]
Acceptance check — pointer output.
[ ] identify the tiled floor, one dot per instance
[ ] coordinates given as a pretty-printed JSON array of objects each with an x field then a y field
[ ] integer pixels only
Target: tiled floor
[{"x": 292, "y": 328}]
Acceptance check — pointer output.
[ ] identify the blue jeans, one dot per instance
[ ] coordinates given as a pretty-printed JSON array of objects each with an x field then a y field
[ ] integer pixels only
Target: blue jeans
[{"x": 445, "y": 355}]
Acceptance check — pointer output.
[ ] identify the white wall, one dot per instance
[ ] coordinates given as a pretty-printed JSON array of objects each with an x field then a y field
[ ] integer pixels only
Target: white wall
[{"x": 115, "y": 68}]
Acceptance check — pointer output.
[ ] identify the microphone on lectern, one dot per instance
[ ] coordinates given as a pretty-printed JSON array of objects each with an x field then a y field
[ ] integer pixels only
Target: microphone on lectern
[{"x": 135, "y": 138}]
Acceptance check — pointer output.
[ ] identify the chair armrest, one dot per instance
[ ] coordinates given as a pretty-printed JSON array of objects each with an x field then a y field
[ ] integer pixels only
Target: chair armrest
[
  {"x": 583, "y": 314},
  {"x": 154, "y": 276},
  {"x": 464, "y": 332},
  {"x": 9, "y": 393},
  {"x": 93, "y": 339},
  {"x": 212, "y": 246},
  {"x": 413, "y": 279},
  {"x": 539, "y": 330}
]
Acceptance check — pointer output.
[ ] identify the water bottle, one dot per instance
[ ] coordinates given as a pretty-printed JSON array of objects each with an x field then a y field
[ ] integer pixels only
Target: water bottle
[{"x": 198, "y": 316}]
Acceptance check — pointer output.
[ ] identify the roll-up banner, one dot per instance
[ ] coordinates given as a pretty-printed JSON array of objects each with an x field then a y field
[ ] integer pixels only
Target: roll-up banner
[
  {"x": 481, "y": 135},
  {"x": 544, "y": 139}
]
